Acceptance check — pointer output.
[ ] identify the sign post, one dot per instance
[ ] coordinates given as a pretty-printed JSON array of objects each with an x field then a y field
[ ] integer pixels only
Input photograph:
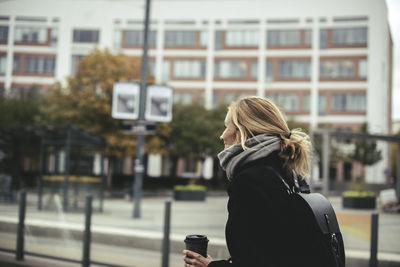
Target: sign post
[
  {"x": 138, "y": 165},
  {"x": 143, "y": 103}
]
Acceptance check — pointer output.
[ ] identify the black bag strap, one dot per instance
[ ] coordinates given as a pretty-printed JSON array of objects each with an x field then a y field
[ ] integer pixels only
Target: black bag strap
[
  {"x": 300, "y": 185},
  {"x": 304, "y": 187}
]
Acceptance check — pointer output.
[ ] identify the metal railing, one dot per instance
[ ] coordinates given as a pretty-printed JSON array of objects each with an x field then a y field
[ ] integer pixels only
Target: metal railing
[{"x": 86, "y": 240}]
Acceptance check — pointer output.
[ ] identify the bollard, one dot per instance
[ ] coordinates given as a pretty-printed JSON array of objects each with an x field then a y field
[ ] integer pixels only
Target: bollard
[
  {"x": 86, "y": 234},
  {"x": 40, "y": 193},
  {"x": 165, "y": 245},
  {"x": 373, "y": 260},
  {"x": 19, "y": 256}
]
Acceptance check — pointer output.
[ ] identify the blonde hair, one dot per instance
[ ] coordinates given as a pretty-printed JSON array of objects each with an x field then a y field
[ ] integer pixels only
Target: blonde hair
[{"x": 255, "y": 115}]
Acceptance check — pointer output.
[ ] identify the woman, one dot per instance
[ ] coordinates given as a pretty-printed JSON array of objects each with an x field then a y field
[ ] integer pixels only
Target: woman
[{"x": 262, "y": 227}]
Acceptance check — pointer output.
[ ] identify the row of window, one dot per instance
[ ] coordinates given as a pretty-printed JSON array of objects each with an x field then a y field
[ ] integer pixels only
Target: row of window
[
  {"x": 343, "y": 37},
  {"x": 191, "y": 38},
  {"x": 294, "y": 102},
  {"x": 329, "y": 38},
  {"x": 31, "y": 35},
  {"x": 276, "y": 69},
  {"x": 327, "y": 103},
  {"x": 33, "y": 64},
  {"x": 291, "y": 102}
]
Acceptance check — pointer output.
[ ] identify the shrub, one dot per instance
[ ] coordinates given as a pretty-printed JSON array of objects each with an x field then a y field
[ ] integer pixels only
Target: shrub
[
  {"x": 191, "y": 187},
  {"x": 358, "y": 194}
]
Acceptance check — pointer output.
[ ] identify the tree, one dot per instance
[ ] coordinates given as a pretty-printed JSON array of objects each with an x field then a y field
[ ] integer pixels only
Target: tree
[
  {"x": 86, "y": 102},
  {"x": 196, "y": 130},
  {"x": 366, "y": 153},
  {"x": 21, "y": 108},
  {"x": 17, "y": 113}
]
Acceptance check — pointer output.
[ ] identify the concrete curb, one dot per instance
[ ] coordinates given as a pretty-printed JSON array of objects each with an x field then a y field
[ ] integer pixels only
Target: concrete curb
[
  {"x": 110, "y": 236},
  {"x": 153, "y": 240}
]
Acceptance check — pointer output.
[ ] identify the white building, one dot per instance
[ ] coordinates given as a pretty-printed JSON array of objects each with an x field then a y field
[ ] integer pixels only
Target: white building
[{"x": 324, "y": 62}]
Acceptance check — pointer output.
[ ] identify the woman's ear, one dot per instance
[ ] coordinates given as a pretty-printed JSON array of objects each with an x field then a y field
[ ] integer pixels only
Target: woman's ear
[{"x": 237, "y": 136}]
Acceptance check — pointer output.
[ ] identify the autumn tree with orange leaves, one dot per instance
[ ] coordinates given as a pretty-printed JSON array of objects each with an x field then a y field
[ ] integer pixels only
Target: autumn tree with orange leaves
[{"x": 86, "y": 102}]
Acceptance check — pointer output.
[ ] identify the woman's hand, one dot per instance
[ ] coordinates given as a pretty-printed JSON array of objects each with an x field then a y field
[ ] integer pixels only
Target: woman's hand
[{"x": 193, "y": 259}]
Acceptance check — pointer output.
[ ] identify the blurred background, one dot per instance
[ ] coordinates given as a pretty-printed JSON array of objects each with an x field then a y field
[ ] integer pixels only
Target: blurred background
[{"x": 329, "y": 65}]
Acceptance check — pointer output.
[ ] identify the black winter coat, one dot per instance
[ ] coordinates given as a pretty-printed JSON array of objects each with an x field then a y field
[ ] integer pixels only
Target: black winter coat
[{"x": 263, "y": 229}]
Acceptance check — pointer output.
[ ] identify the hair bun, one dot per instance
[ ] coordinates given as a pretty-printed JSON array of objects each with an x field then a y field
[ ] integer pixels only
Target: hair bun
[{"x": 296, "y": 146}]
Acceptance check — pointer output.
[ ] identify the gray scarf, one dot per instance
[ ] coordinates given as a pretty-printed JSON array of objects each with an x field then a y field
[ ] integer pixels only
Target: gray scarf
[{"x": 259, "y": 146}]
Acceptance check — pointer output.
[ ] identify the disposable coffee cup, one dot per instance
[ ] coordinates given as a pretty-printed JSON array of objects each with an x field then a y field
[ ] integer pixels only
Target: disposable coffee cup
[{"x": 197, "y": 243}]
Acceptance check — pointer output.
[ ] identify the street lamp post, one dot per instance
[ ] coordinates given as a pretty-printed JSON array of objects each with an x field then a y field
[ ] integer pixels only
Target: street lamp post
[{"x": 138, "y": 164}]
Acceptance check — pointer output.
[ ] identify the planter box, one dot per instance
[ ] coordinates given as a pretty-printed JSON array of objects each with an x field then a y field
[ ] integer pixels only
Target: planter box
[
  {"x": 189, "y": 195},
  {"x": 359, "y": 202}
]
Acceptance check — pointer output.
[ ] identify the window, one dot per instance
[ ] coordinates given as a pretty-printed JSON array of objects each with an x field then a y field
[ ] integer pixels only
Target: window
[
  {"x": 230, "y": 97},
  {"x": 308, "y": 37},
  {"x": 268, "y": 67},
  {"x": 283, "y": 37},
  {"x": 254, "y": 70},
  {"x": 189, "y": 69},
  {"x": 235, "y": 38},
  {"x": 362, "y": 68},
  {"x": 31, "y": 19},
  {"x": 322, "y": 39},
  {"x": 135, "y": 38},
  {"x": 38, "y": 64},
  {"x": 76, "y": 59},
  {"x": 3, "y": 33},
  {"x": 348, "y": 102},
  {"x": 30, "y": 35},
  {"x": 183, "y": 97},
  {"x": 243, "y": 22},
  {"x": 294, "y": 69},
  {"x": 306, "y": 102},
  {"x": 321, "y": 104},
  {"x": 16, "y": 64},
  {"x": 204, "y": 38},
  {"x": 218, "y": 40},
  {"x": 287, "y": 102},
  {"x": 215, "y": 99},
  {"x": 86, "y": 36},
  {"x": 282, "y": 21},
  {"x": 180, "y": 38},
  {"x": 347, "y": 19},
  {"x": 231, "y": 69},
  {"x": 152, "y": 67},
  {"x": 340, "y": 68},
  {"x": 3, "y": 64},
  {"x": 54, "y": 37},
  {"x": 180, "y": 22},
  {"x": 165, "y": 71},
  {"x": 117, "y": 38},
  {"x": 350, "y": 36}
]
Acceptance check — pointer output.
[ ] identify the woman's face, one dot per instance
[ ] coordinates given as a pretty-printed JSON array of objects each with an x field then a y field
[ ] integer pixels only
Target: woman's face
[{"x": 229, "y": 134}]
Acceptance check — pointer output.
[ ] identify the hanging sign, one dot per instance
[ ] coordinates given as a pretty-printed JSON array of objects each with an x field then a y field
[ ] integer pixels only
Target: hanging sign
[
  {"x": 159, "y": 103},
  {"x": 125, "y": 103}
]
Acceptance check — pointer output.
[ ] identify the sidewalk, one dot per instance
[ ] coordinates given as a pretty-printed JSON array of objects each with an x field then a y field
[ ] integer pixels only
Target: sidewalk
[{"x": 116, "y": 226}]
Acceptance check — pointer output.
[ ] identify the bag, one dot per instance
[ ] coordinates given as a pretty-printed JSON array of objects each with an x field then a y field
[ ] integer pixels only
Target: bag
[{"x": 323, "y": 219}]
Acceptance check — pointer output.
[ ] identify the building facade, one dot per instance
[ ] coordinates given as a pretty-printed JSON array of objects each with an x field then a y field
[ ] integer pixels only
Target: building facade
[{"x": 323, "y": 62}]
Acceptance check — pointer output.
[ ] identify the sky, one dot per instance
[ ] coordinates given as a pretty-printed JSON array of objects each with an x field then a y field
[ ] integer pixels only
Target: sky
[{"x": 394, "y": 21}]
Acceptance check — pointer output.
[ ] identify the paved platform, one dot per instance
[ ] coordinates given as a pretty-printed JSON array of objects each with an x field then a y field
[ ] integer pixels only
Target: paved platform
[{"x": 116, "y": 228}]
